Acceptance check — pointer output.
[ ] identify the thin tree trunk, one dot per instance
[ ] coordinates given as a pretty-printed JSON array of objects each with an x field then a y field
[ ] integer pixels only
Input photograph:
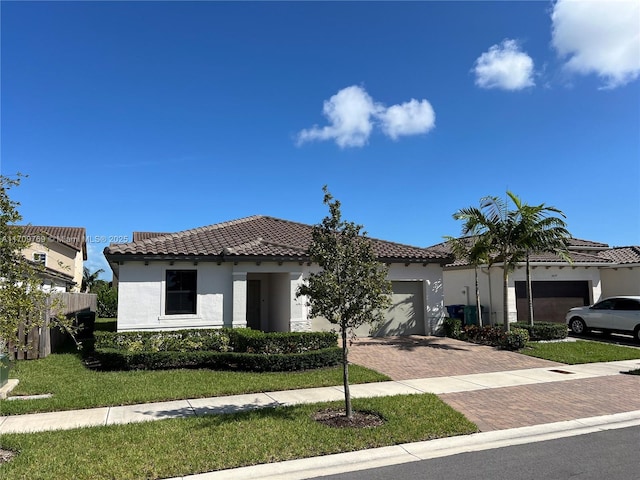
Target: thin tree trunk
[
  {"x": 478, "y": 307},
  {"x": 505, "y": 297},
  {"x": 345, "y": 375},
  {"x": 529, "y": 292}
]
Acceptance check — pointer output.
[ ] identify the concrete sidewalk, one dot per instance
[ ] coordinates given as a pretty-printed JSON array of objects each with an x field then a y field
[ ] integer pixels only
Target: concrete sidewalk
[{"x": 238, "y": 403}]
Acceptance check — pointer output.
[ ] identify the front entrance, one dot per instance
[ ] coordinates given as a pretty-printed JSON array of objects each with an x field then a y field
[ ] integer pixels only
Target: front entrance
[{"x": 254, "y": 304}]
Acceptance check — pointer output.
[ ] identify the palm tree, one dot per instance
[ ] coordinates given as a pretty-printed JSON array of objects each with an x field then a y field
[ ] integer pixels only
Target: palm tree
[
  {"x": 510, "y": 236},
  {"x": 476, "y": 252},
  {"x": 540, "y": 232},
  {"x": 89, "y": 279}
]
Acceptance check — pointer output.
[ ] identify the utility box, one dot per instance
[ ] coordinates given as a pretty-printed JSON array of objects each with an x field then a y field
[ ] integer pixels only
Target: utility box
[
  {"x": 471, "y": 315},
  {"x": 86, "y": 322}
]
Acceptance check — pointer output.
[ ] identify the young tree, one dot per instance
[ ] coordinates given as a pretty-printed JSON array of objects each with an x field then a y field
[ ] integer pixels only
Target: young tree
[
  {"x": 351, "y": 289},
  {"x": 23, "y": 302}
]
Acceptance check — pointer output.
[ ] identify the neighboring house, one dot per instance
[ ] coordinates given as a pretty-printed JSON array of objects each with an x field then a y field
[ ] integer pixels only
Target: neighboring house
[
  {"x": 596, "y": 271},
  {"x": 622, "y": 276},
  {"x": 245, "y": 273},
  {"x": 61, "y": 250}
]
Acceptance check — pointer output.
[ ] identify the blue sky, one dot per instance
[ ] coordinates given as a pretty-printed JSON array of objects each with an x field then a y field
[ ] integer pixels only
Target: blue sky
[{"x": 167, "y": 116}]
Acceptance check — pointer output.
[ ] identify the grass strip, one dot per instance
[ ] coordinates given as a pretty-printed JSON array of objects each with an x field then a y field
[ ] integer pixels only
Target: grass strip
[
  {"x": 581, "y": 351},
  {"x": 169, "y": 448},
  {"x": 74, "y": 386}
]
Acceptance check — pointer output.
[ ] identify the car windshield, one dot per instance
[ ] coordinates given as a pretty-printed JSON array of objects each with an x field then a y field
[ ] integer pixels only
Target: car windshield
[{"x": 604, "y": 305}]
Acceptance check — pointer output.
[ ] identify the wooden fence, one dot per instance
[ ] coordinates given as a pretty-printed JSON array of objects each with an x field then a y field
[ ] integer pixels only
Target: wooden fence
[{"x": 39, "y": 341}]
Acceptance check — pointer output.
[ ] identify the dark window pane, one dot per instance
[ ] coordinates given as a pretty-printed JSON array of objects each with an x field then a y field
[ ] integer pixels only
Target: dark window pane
[
  {"x": 604, "y": 305},
  {"x": 181, "y": 292},
  {"x": 627, "y": 304}
]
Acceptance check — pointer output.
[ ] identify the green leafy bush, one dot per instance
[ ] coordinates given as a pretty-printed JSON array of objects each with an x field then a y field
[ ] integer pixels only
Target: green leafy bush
[
  {"x": 452, "y": 327},
  {"x": 255, "y": 341},
  {"x": 217, "y": 340},
  {"x": 113, "y": 359},
  {"x": 544, "y": 330},
  {"x": 514, "y": 339},
  {"x": 225, "y": 348}
]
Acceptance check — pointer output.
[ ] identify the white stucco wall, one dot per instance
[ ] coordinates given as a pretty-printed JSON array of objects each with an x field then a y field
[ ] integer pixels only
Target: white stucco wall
[
  {"x": 222, "y": 295},
  {"x": 433, "y": 295},
  {"x": 620, "y": 281},
  {"x": 141, "y": 296},
  {"x": 460, "y": 286}
]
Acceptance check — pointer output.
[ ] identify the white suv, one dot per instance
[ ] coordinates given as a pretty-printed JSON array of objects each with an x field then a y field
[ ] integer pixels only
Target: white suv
[{"x": 614, "y": 314}]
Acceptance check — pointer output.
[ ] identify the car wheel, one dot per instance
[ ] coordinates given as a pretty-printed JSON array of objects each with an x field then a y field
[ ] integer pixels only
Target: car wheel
[
  {"x": 578, "y": 326},
  {"x": 636, "y": 334}
]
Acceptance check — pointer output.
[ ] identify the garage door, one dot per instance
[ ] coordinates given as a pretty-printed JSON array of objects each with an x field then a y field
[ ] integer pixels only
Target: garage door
[
  {"x": 551, "y": 299},
  {"x": 406, "y": 314}
]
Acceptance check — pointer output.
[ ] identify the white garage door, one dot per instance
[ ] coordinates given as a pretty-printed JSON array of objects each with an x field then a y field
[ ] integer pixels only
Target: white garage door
[{"x": 406, "y": 314}]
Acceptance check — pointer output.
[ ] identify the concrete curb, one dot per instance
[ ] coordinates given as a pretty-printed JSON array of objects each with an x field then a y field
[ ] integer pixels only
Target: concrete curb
[{"x": 413, "y": 452}]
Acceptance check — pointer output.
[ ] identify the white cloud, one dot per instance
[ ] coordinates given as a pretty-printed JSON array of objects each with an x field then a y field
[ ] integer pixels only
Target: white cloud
[
  {"x": 504, "y": 66},
  {"x": 349, "y": 113},
  {"x": 410, "y": 118},
  {"x": 352, "y": 115},
  {"x": 601, "y": 37}
]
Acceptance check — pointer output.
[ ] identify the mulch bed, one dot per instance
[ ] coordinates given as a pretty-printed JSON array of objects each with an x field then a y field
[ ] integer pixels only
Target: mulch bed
[
  {"x": 337, "y": 418},
  {"x": 6, "y": 455}
]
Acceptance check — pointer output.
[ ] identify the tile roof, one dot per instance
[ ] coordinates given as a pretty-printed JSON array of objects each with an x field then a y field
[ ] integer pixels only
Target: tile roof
[
  {"x": 253, "y": 237},
  {"x": 137, "y": 236},
  {"x": 74, "y": 237},
  {"x": 622, "y": 255},
  {"x": 575, "y": 247}
]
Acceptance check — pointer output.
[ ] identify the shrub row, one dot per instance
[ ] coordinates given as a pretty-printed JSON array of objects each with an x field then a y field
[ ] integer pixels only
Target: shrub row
[
  {"x": 217, "y": 340},
  {"x": 514, "y": 339},
  {"x": 255, "y": 341},
  {"x": 112, "y": 359},
  {"x": 241, "y": 349},
  {"x": 544, "y": 330},
  {"x": 452, "y": 328}
]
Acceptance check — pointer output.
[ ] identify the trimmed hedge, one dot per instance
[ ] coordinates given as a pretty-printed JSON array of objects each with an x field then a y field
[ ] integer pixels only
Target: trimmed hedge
[
  {"x": 112, "y": 359},
  {"x": 544, "y": 330},
  {"x": 256, "y": 341},
  {"x": 221, "y": 349},
  {"x": 217, "y": 340},
  {"x": 515, "y": 339}
]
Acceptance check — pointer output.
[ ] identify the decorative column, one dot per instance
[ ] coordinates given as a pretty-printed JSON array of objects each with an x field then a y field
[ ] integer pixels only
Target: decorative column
[
  {"x": 298, "y": 321},
  {"x": 239, "y": 300}
]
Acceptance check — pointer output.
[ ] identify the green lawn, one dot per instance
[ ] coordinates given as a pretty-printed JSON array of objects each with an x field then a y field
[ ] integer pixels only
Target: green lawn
[
  {"x": 106, "y": 324},
  {"x": 581, "y": 351},
  {"x": 169, "y": 448},
  {"x": 73, "y": 386}
]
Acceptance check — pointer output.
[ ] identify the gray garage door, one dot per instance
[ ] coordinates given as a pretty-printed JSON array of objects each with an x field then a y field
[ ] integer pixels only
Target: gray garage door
[{"x": 406, "y": 314}]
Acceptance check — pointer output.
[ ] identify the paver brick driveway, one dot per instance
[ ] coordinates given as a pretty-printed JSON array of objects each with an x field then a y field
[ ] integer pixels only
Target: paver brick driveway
[{"x": 404, "y": 358}]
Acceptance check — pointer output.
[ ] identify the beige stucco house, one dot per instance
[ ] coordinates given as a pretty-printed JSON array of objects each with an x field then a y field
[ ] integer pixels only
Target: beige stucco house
[
  {"x": 245, "y": 273},
  {"x": 61, "y": 250}
]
